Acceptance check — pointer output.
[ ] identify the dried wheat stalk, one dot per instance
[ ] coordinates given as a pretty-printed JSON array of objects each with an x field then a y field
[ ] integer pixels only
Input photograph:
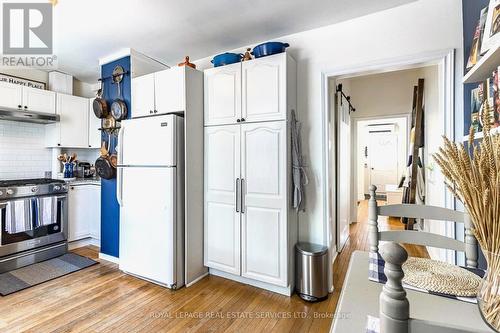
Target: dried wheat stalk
[{"x": 473, "y": 176}]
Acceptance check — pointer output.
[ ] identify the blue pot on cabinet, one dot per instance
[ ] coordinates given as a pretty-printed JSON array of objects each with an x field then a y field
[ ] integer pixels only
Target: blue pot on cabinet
[
  {"x": 226, "y": 59},
  {"x": 269, "y": 48}
]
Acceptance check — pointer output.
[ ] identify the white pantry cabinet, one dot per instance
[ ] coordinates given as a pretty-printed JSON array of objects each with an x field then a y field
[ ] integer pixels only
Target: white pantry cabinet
[
  {"x": 25, "y": 98},
  {"x": 250, "y": 225},
  {"x": 222, "y": 211},
  {"x": 223, "y": 95},
  {"x": 84, "y": 212},
  {"x": 250, "y": 91},
  {"x": 159, "y": 93},
  {"x": 73, "y": 128}
]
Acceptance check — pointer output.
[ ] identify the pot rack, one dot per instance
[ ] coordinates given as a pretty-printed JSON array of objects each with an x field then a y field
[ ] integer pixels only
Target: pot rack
[
  {"x": 347, "y": 98},
  {"x": 114, "y": 76}
]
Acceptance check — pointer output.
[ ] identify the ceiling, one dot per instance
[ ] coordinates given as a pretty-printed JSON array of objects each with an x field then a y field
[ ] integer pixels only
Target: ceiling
[{"x": 86, "y": 30}]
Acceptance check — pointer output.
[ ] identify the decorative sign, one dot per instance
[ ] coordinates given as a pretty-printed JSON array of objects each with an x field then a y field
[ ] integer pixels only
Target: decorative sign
[{"x": 23, "y": 82}]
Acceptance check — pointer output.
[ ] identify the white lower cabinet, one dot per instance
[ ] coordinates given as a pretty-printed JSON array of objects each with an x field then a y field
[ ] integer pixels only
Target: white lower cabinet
[
  {"x": 84, "y": 212},
  {"x": 246, "y": 201}
]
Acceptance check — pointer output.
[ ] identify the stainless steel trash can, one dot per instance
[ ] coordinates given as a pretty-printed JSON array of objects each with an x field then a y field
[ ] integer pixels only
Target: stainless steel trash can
[{"x": 311, "y": 266}]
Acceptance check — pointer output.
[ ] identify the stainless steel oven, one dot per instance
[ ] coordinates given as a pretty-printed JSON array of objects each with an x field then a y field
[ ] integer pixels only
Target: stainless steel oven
[{"x": 23, "y": 239}]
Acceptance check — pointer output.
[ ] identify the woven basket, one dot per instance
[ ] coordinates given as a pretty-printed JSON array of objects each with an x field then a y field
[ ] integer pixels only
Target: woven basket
[{"x": 440, "y": 277}]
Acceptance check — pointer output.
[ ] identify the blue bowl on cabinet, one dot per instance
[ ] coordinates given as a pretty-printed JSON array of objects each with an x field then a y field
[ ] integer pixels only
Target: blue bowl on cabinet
[
  {"x": 269, "y": 48},
  {"x": 226, "y": 59}
]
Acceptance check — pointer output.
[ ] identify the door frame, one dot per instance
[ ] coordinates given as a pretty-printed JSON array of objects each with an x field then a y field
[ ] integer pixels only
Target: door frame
[{"x": 446, "y": 61}]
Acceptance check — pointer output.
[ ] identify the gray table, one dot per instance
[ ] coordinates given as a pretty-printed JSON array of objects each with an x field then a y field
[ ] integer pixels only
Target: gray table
[{"x": 360, "y": 296}]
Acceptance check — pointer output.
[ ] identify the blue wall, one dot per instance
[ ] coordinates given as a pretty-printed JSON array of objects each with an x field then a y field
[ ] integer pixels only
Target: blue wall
[
  {"x": 471, "y": 10},
  {"x": 110, "y": 210}
]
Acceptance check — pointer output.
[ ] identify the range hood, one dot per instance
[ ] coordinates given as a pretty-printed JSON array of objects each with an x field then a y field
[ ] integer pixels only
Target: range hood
[{"x": 28, "y": 116}]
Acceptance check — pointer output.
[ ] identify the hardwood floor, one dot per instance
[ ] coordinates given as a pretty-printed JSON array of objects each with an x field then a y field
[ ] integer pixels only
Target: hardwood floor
[{"x": 103, "y": 299}]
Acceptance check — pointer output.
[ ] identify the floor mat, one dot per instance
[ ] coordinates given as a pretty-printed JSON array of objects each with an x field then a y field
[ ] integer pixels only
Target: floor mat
[{"x": 41, "y": 272}]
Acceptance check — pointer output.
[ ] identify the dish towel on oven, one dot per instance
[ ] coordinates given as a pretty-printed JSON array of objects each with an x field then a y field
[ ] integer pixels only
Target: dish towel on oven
[
  {"x": 18, "y": 216},
  {"x": 299, "y": 177},
  {"x": 47, "y": 211}
]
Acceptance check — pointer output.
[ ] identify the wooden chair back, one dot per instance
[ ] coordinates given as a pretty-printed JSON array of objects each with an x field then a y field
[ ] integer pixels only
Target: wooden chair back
[{"x": 469, "y": 247}]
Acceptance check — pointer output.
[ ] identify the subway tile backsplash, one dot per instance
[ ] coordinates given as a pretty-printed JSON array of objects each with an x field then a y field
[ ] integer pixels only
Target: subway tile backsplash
[{"x": 22, "y": 150}]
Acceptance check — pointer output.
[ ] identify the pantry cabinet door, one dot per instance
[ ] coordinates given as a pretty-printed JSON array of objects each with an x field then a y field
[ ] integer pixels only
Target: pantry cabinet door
[
  {"x": 223, "y": 95},
  {"x": 222, "y": 220},
  {"x": 170, "y": 90},
  {"x": 74, "y": 112},
  {"x": 143, "y": 95},
  {"x": 264, "y": 89},
  {"x": 94, "y": 125},
  {"x": 10, "y": 95},
  {"x": 263, "y": 219},
  {"x": 39, "y": 100}
]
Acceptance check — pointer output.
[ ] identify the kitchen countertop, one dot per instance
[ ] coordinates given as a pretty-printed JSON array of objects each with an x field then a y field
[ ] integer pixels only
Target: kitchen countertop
[{"x": 85, "y": 181}]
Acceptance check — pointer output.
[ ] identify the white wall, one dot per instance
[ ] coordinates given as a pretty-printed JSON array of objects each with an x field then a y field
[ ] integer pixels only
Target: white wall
[{"x": 416, "y": 28}]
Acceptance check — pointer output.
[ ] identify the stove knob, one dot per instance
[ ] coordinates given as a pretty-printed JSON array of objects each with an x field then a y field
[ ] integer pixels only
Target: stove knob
[
  {"x": 57, "y": 188},
  {"x": 34, "y": 189},
  {"x": 9, "y": 191},
  {"x": 65, "y": 187},
  {"x": 1, "y": 193}
]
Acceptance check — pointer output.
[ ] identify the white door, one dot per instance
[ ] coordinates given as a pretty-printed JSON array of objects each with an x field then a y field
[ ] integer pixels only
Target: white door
[
  {"x": 383, "y": 159},
  {"x": 11, "y": 95},
  {"x": 94, "y": 125},
  {"x": 149, "y": 141},
  {"x": 94, "y": 210},
  {"x": 222, "y": 217},
  {"x": 264, "y": 205},
  {"x": 39, "y": 100},
  {"x": 147, "y": 223},
  {"x": 223, "y": 94},
  {"x": 264, "y": 89},
  {"x": 170, "y": 93},
  {"x": 343, "y": 174},
  {"x": 74, "y": 112},
  {"x": 143, "y": 95},
  {"x": 79, "y": 212}
]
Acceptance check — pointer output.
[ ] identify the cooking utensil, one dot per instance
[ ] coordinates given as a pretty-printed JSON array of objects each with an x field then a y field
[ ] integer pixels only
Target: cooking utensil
[
  {"x": 103, "y": 165},
  {"x": 269, "y": 48},
  {"x": 119, "y": 108},
  {"x": 226, "y": 59},
  {"x": 187, "y": 63},
  {"x": 99, "y": 105}
]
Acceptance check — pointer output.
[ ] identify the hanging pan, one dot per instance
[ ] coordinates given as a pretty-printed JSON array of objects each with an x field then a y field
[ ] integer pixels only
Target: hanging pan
[
  {"x": 119, "y": 107},
  {"x": 100, "y": 105}
]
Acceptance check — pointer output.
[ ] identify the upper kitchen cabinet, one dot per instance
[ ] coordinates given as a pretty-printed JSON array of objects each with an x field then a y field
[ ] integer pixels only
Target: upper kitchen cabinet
[
  {"x": 143, "y": 95},
  {"x": 170, "y": 90},
  {"x": 264, "y": 83},
  {"x": 94, "y": 126},
  {"x": 24, "y": 98},
  {"x": 164, "y": 91},
  {"x": 11, "y": 95},
  {"x": 223, "y": 95},
  {"x": 39, "y": 100},
  {"x": 73, "y": 128},
  {"x": 250, "y": 91}
]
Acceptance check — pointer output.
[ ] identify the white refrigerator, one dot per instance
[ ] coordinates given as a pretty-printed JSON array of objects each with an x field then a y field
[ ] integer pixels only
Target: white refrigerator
[{"x": 150, "y": 192}]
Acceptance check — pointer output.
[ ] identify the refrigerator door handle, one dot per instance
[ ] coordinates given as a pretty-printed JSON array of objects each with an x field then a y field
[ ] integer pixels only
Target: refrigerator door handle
[
  {"x": 119, "y": 171},
  {"x": 237, "y": 196},
  {"x": 242, "y": 191}
]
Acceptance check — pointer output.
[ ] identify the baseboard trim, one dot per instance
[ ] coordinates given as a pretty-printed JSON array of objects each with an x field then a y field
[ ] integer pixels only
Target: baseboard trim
[
  {"x": 109, "y": 258},
  {"x": 197, "y": 279},
  {"x": 287, "y": 291},
  {"x": 84, "y": 242}
]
